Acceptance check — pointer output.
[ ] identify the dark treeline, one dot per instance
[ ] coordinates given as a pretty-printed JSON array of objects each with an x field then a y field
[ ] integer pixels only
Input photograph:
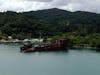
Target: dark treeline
[{"x": 50, "y": 22}]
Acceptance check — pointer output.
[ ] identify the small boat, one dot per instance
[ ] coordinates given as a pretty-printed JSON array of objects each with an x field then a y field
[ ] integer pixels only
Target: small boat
[{"x": 57, "y": 45}]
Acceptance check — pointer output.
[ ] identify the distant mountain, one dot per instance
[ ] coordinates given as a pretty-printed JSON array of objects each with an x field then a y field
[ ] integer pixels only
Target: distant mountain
[
  {"x": 49, "y": 21},
  {"x": 48, "y": 13},
  {"x": 55, "y": 13}
]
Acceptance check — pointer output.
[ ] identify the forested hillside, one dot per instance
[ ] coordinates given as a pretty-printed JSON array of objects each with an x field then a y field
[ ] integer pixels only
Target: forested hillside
[{"x": 49, "y": 22}]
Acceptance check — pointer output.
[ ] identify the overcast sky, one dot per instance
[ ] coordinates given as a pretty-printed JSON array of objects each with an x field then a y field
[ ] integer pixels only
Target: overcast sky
[{"x": 70, "y": 5}]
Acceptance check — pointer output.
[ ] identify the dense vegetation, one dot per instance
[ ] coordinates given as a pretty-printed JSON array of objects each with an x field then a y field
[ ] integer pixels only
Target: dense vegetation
[{"x": 81, "y": 27}]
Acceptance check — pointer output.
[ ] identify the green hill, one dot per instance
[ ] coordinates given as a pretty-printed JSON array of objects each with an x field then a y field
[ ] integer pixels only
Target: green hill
[{"x": 49, "y": 22}]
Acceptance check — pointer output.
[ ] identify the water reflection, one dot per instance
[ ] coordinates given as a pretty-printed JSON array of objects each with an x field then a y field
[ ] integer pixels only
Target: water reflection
[{"x": 51, "y": 52}]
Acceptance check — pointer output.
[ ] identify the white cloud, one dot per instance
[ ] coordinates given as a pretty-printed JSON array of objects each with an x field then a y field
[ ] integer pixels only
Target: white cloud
[
  {"x": 84, "y": 5},
  {"x": 29, "y": 5},
  {"x": 40, "y": 0},
  {"x": 21, "y": 5}
]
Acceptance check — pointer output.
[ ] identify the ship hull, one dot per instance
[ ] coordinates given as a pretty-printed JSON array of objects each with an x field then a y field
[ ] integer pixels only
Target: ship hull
[
  {"x": 57, "y": 45},
  {"x": 41, "y": 49}
]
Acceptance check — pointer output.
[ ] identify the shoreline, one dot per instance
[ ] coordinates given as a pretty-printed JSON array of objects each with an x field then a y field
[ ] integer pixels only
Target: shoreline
[{"x": 81, "y": 46}]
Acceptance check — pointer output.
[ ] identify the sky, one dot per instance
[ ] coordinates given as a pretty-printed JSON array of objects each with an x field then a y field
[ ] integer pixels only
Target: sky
[{"x": 33, "y": 5}]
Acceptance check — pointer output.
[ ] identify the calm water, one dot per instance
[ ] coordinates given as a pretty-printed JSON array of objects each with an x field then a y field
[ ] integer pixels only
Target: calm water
[{"x": 12, "y": 62}]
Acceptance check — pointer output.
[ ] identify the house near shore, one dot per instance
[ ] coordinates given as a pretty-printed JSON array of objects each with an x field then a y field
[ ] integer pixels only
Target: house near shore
[{"x": 37, "y": 40}]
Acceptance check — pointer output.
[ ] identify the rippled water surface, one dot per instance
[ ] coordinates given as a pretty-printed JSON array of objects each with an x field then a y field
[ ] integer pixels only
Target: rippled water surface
[{"x": 73, "y": 62}]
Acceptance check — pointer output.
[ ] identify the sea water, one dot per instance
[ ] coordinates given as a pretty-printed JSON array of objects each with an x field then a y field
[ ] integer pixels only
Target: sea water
[{"x": 71, "y": 62}]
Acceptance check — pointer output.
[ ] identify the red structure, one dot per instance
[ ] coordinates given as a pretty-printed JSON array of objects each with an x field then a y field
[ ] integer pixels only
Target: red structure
[{"x": 56, "y": 45}]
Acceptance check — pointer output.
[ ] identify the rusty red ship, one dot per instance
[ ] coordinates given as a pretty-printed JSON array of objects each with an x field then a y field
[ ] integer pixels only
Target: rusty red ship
[{"x": 57, "y": 45}]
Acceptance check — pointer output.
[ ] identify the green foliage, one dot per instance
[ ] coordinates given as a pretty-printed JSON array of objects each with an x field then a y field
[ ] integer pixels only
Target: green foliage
[
  {"x": 50, "y": 22},
  {"x": 91, "y": 40},
  {"x": 56, "y": 37},
  {"x": 79, "y": 27}
]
